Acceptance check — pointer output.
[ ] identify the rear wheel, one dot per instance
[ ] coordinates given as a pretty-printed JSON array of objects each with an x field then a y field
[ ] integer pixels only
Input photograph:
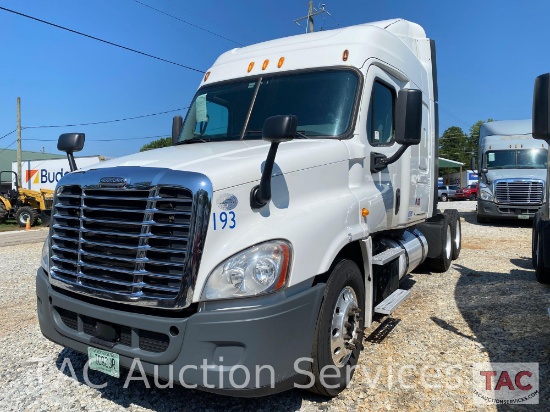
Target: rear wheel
[
  {"x": 456, "y": 232},
  {"x": 442, "y": 263},
  {"x": 25, "y": 213},
  {"x": 3, "y": 212},
  {"x": 339, "y": 332},
  {"x": 473, "y": 196},
  {"x": 444, "y": 197}
]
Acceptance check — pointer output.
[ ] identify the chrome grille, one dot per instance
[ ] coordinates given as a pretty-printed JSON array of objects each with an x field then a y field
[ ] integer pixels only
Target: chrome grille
[
  {"x": 134, "y": 245},
  {"x": 519, "y": 192}
]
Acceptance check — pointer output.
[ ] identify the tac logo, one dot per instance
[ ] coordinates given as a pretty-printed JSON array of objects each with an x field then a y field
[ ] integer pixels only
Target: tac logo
[{"x": 506, "y": 383}]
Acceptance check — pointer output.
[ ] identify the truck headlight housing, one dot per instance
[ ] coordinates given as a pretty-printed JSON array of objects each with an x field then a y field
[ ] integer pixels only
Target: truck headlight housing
[
  {"x": 260, "y": 269},
  {"x": 45, "y": 258},
  {"x": 485, "y": 194}
]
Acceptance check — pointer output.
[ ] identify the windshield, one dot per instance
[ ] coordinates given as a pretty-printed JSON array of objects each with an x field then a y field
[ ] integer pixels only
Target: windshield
[
  {"x": 517, "y": 159},
  {"x": 322, "y": 100}
]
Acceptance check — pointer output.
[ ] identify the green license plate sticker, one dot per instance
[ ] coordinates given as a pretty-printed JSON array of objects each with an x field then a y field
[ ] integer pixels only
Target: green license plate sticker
[
  {"x": 523, "y": 216},
  {"x": 104, "y": 361}
]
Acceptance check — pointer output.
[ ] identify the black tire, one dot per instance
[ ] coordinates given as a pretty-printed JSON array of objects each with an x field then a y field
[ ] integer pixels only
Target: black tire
[
  {"x": 456, "y": 232},
  {"x": 534, "y": 240},
  {"x": 444, "y": 197},
  {"x": 473, "y": 197},
  {"x": 442, "y": 263},
  {"x": 344, "y": 293},
  {"x": 24, "y": 213},
  {"x": 542, "y": 274},
  {"x": 3, "y": 212}
]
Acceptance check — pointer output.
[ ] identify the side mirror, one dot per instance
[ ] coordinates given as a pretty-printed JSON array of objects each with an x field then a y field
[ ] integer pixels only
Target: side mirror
[
  {"x": 541, "y": 108},
  {"x": 473, "y": 167},
  {"x": 177, "y": 125},
  {"x": 279, "y": 129},
  {"x": 70, "y": 143},
  {"x": 408, "y": 128},
  {"x": 408, "y": 125}
]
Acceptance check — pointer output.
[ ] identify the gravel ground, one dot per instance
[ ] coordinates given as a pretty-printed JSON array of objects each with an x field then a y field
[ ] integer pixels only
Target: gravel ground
[{"x": 487, "y": 307}]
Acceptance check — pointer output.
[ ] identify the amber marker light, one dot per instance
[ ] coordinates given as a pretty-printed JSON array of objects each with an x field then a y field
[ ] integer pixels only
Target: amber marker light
[
  {"x": 206, "y": 76},
  {"x": 345, "y": 55},
  {"x": 250, "y": 66},
  {"x": 266, "y": 62},
  {"x": 365, "y": 212},
  {"x": 280, "y": 63}
]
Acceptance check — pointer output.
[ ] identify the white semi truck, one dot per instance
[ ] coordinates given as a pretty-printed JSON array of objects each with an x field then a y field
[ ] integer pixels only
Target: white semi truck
[
  {"x": 249, "y": 257},
  {"x": 512, "y": 168}
]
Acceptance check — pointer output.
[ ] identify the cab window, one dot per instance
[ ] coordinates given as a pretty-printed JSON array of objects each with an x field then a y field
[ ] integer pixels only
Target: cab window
[{"x": 380, "y": 118}]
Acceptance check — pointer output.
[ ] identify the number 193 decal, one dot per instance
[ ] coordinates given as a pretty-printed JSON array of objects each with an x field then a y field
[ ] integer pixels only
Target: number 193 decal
[{"x": 224, "y": 220}]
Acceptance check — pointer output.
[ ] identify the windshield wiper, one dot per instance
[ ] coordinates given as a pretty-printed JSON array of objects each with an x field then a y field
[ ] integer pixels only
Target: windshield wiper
[
  {"x": 301, "y": 135},
  {"x": 194, "y": 140}
]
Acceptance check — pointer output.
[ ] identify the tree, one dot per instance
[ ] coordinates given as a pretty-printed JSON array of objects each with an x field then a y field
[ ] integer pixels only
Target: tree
[
  {"x": 453, "y": 145},
  {"x": 157, "y": 144},
  {"x": 474, "y": 134}
]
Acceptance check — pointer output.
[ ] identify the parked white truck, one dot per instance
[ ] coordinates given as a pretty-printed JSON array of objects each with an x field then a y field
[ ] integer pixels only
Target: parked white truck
[
  {"x": 541, "y": 222},
  {"x": 512, "y": 168},
  {"x": 246, "y": 266}
]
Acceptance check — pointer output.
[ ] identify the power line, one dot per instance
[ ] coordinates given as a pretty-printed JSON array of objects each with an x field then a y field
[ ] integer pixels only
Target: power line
[
  {"x": 191, "y": 24},
  {"x": 101, "y": 40},
  {"x": 8, "y": 146},
  {"x": 102, "y": 122},
  {"x": 104, "y": 140},
  {"x": 7, "y": 134}
]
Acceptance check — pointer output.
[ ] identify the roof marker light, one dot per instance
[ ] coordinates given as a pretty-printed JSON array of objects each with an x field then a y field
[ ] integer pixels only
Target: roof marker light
[
  {"x": 250, "y": 67},
  {"x": 345, "y": 55},
  {"x": 281, "y": 61},
  {"x": 206, "y": 76},
  {"x": 365, "y": 212},
  {"x": 266, "y": 62}
]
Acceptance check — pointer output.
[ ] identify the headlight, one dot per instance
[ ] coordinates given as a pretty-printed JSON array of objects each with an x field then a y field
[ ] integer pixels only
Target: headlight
[
  {"x": 260, "y": 269},
  {"x": 486, "y": 195},
  {"x": 45, "y": 259}
]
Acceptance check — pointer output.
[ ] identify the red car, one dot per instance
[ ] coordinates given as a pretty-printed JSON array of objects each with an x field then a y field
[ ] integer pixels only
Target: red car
[{"x": 469, "y": 192}]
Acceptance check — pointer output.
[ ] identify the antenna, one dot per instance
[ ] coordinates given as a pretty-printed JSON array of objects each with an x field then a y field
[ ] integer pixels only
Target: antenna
[{"x": 312, "y": 11}]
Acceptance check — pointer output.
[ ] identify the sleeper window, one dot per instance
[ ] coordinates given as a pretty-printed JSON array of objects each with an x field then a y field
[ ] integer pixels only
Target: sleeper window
[{"x": 380, "y": 119}]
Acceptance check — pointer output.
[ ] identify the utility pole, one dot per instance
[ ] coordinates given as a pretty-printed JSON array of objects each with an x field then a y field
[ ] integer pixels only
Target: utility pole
[
  {"x": 310, "y": 17},
  {"x": 19, "y": 142},
  {"x": 312, "y": 11}
]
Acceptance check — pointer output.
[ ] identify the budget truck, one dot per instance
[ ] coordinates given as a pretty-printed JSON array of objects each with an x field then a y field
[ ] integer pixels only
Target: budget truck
[
  {"x": 512, "y": 171},
  {"x": 249, "y": 256}
]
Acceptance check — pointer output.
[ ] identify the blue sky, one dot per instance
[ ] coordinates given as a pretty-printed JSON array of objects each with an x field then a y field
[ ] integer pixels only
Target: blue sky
[{"x": 489, "y": 53}]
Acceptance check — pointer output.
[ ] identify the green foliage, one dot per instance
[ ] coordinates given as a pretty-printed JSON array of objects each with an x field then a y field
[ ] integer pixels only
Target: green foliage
[{"x": 157, "y": 144}]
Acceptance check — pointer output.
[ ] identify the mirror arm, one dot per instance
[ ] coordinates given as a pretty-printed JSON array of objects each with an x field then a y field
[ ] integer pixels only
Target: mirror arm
[
  {"x": 379, "y": 161},
  {"x": 72, "y": 163},
  {"x": 261, "y": 194}
]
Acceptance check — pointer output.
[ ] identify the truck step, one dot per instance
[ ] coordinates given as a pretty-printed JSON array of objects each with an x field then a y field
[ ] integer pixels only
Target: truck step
[
  {"x": 388, "y": 305},
  {"x": 387, "y": 256}
]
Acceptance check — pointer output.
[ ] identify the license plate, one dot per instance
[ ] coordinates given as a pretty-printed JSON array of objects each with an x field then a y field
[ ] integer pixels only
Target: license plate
[
  {"x": 104, "y": 361},
  {"x": 523, "y": 216}
]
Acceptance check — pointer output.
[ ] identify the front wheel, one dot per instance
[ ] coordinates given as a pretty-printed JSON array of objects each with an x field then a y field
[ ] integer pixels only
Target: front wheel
[
  {"x": 339, "y": 332},
  {"x": 473, "y": 197},
  {"x": 444, "y": 197},
  {"x": 25, "y": 213}
]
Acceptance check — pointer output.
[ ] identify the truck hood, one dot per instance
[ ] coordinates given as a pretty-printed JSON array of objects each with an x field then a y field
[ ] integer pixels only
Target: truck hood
[
  {"x": 539, "y": 174},
  {"x": 234, "y": 163}
]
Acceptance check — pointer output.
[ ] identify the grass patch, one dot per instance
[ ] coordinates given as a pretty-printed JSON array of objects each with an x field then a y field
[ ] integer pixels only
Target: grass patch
[{"x": 10, "y": 225}]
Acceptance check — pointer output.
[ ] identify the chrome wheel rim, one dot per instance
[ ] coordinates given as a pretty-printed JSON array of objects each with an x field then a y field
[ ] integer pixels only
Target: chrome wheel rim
[
  {"x": 457, "y": 235},
  {"x": 344, "y": 327},
  {"x": 448, "y": 243}
]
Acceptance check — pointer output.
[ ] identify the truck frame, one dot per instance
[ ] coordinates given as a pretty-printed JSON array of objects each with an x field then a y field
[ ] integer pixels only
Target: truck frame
[{"x": 249, "y": 256}]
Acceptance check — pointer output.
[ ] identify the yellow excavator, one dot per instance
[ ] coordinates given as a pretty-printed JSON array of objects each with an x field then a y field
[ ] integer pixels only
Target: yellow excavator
[{"x": 25, "y": 204}]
